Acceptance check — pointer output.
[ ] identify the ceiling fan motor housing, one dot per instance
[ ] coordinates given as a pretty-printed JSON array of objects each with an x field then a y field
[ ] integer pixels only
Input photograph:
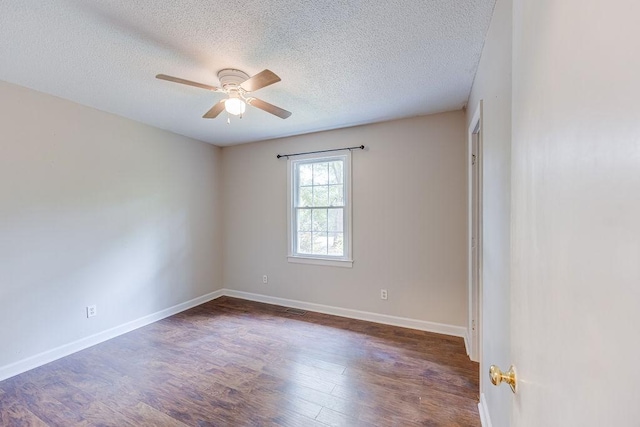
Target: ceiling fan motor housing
[{"x": 231, "y": 78}]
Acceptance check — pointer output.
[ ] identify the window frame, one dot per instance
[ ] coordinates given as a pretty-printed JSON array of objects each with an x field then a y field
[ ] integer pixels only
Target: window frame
[{"x": 344, "y": 261}]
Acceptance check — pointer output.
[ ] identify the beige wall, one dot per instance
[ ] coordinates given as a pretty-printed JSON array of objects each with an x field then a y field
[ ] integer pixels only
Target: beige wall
[
  {"x": 492, "y": 85},
  {"x": 409, "y": 220},
  {"x": 97, "y": 209}
]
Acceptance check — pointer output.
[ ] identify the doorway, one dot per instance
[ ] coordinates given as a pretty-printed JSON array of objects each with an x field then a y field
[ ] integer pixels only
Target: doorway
[{"x": 475, "y": 235}]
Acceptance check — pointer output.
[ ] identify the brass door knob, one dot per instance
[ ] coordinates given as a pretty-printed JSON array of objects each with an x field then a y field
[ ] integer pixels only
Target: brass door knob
[{"x": 509, "y": 377}]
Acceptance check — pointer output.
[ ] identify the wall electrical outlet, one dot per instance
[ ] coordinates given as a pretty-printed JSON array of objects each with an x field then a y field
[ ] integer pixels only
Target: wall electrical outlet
[
  {"x": 265, "y": 279},
  {"x": 92, "y": 310},
  {"x": 383, "y": 294}
]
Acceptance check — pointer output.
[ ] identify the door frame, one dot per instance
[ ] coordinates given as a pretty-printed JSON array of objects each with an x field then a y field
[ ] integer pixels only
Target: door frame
[{"x": 475, "y": 132}]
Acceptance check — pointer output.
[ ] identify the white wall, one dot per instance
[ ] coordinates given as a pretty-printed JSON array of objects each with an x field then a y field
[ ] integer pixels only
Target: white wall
[
  {"x": 492, "y": 85},
  {"x": 409, "y": 220},
  {"x": 97, "y": 209},
  {"x": 576, "y": 210}
]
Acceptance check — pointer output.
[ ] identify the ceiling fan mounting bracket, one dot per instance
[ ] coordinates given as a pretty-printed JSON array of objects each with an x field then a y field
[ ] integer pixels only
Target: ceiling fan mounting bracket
[{"x": 231, "y": 78}]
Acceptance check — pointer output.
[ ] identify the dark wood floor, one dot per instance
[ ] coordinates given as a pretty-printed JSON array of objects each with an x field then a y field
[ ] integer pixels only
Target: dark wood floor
[{"x": 231, "y": 362}]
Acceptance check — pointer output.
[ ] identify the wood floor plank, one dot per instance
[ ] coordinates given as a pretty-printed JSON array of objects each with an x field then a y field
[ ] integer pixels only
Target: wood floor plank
[
  {"x": 47, "y": 408},
  {"x": 335, "y": 419},
  {"x": 19, "y": 415},
  {"x": 350, "y": 407},
  {"x": 143, "y": 415},
  {"x": 232, "y": 362}
]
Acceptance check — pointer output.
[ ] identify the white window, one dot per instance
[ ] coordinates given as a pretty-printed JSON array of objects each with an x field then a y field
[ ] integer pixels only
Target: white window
[{"x": 320, "y": 209}]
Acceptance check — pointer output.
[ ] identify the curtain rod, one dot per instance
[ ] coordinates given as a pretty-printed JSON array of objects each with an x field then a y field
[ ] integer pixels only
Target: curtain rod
[{"x": 361, "y": 147}]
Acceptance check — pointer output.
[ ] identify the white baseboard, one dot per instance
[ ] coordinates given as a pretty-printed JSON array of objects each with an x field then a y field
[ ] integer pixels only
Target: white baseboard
[
  {"x": 466, "y": 342},
  {"x": 485, "y": 419},
  {"x": 48, "y": 356},
  {"x": 422, "y": 325}
]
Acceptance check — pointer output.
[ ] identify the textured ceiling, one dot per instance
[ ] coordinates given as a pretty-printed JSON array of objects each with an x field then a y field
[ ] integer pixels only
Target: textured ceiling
[{"x": 342, "y": 62}]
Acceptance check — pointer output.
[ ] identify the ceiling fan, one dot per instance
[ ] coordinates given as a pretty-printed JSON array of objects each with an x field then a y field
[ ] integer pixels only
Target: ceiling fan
[{"x": 237, "y": 85}]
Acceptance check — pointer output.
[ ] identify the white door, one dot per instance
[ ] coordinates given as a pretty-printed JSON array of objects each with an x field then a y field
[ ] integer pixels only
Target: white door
[{"x": 575, "y": 311}]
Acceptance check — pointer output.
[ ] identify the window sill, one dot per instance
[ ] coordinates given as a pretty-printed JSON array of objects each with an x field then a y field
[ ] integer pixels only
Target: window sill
[{"x": 321, "y": 261}]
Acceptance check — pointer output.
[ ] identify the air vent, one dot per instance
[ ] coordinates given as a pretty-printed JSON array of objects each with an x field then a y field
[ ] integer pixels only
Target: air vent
[{"x": 296, "y": 311}]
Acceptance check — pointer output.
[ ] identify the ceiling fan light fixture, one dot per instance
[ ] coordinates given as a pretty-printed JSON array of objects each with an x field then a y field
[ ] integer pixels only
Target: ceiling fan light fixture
[{"x": 235, "y": 106}]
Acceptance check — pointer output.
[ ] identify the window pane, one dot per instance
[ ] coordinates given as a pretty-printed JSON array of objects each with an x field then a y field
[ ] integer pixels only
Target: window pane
[
  {"x": 336, "y": 244},
  {"x": 321, "y": 195},
  {"x": 304, "y": 243},
  {"x": 304, "y": 220},
  {"x": 334, "y": 220},
  {"x": 305, "y": 174},
  {"x": 336, "y": 195},
  {"x": 335, "y": 172},
  {"x": 320, "y": 220},
  {"x": 320, "y": 243},
  {"x": 319, "y": 186},
  {"x": 320, "y": 173},
  {"x": 305, "y": 196}
]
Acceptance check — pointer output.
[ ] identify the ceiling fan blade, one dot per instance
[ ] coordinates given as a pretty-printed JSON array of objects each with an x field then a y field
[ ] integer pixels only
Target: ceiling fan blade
[
  {"x": 215, "y": 110},
  {"x": 269, "y": 108},
  {"x": 186, "y": 82},
  {"x": 262, "y": 79}
]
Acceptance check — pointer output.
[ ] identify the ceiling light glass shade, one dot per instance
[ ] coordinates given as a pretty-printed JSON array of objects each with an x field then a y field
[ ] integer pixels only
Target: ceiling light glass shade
[{"x": 235, "y": 106}]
